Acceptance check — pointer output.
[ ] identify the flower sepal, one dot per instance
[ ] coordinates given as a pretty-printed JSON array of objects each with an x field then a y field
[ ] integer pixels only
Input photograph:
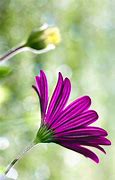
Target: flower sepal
[{"x": 44, "y": 135}]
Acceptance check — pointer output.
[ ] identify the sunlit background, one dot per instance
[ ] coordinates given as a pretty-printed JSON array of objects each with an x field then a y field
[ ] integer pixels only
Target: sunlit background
[{"x": 85, "y": 55}]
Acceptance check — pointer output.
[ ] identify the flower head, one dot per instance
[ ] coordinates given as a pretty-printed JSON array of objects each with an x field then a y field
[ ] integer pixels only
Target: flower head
[
  {"x": 45, "y": 37},
  {"x": 68, "y": 126}
]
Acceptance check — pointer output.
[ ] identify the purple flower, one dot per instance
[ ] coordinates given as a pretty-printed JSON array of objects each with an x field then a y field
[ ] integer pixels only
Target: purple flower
[{"x": 68, "y": 125}]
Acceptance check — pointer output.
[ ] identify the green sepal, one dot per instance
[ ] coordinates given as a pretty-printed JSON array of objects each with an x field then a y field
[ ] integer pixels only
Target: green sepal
[
  {"x": 44, "y": 135},
  {"x": 36, "y": 40}
]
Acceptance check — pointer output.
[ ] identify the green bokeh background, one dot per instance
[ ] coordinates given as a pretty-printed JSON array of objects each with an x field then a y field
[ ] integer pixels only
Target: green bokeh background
[{"x": 85, "y": 55}]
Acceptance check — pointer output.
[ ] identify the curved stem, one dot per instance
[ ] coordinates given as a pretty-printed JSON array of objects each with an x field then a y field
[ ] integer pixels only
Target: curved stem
[
  {"x": 24, "y": 47},
  {"x": 19, "y": 157},
  {"x": 12, "y": 52}
]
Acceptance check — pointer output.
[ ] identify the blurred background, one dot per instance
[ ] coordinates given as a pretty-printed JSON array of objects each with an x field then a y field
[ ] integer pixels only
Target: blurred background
[{"x": 85, "y": 55}]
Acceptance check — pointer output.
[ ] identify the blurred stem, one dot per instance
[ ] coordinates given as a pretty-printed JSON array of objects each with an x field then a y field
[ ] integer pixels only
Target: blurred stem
[
  {"x": 12, "y": 53},
  {"x": 19, "y": 157}
]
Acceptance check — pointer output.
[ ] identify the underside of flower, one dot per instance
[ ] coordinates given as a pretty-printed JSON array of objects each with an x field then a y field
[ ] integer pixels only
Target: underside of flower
[
  {"x": 68, "y": 125},
  {"x": 44, "y": 135}
]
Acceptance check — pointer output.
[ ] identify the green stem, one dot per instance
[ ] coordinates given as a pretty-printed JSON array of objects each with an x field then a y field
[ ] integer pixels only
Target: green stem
[
  {"x": 12, "y": 53},
  {"x": 19, "y": 157}
]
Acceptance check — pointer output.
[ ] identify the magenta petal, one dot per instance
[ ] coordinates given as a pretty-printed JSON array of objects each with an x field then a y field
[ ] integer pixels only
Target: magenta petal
[
  {"x": 100, "y": 148},
  {"x": 55, "y": 97},
  {"x": 94, "y": 140},
  {"x": 42, "y": 88},
  {"x": 84, "y": 143},
  {"x": 96, "y": 146},
  {"x": 60, "y": 104},
  {"x": 38, "y": 84},
  {"x": 82, "y": 132},
  {"x": 75, "y": 108},
  {"x": 81, "y": 120},
  {"x": 82, "y": 150},
  {"x": 60, "y": 101}
]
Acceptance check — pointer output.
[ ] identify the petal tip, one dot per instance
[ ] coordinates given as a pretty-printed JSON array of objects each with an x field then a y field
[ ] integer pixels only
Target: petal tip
[
  {"x": 88, "y": 99},
  {"x": 108, "y": 142},
  {"x": 97, "y": 160},
  {"x": 60, "y": 76},
  {"x": 67, "y": 81},
  {"x": 36, "y": 78},
  {"x": 42, "y": 73},
  {"x": 95, "y": 114}
]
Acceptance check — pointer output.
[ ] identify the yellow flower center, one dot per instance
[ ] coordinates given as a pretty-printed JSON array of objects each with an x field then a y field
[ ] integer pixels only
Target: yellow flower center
[{"x": 52, "y": 36}]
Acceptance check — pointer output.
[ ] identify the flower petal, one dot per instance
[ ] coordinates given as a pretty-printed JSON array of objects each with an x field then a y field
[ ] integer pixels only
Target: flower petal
[
  {"x": 86, "y": 140},
  {"x": 83, "y": 132},
  {"x": 78, "y": 121},
  {"x": 42, "y": 88},
  {"x": 82, "y": 150},
  {"x": 94, "y": 140},
  {"x": 61, "y": 101},
  {"x": 100, "y": 148},
  {"x": 55, "y": 97},
  {"x": 75, "y": 108},
  {"x": 63, "y": 97}
]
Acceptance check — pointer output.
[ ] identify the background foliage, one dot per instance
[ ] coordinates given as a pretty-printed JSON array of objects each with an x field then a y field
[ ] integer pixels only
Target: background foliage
[{"x": 86, "y": 56}]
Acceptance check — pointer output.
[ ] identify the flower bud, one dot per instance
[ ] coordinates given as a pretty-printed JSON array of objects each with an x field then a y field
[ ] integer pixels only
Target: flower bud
[{"x": 43, "y": 37}]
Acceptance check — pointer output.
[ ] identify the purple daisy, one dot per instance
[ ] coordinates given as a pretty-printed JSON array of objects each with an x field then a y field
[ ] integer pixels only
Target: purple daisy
[{"x": 68, "y": 125}]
